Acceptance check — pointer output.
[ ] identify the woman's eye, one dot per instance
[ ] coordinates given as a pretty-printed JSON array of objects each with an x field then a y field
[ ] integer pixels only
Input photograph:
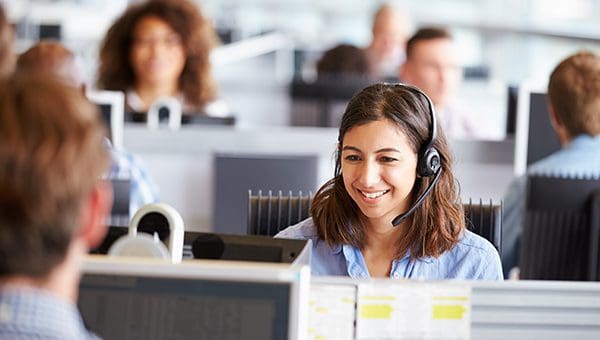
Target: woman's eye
[
  {"x": 352, "y": 158},
  {"x": 386, "y": 159}
]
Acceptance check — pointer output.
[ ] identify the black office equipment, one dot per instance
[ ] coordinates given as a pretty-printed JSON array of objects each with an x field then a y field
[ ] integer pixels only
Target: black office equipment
[
  {"x": 535, "y": 138},
  {"x": 246, "y": 248},
  {"x": 271, "y": 212},
  {"x": 119, "y": 214},
  {"x": 322, "y": 102},
  {"x": 561, "y": 229},
  {"x": 512, "y": 99},
  {"x": 186, "y": 118},
  {"x": 235, "y": 174},
  {"x": 50, "y": 31}
]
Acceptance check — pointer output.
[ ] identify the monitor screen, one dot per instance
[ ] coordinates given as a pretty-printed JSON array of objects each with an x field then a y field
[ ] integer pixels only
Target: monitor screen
[
  {"x": 193, "y": 300},
  {"x": 112, "y": 106},
  {"x": 535, "y": 136}
]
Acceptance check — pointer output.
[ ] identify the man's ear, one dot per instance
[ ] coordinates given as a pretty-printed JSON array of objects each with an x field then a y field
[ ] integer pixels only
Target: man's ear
[
  {"x": 94, "y": 212},
  {"x": 558, "y": 126}
]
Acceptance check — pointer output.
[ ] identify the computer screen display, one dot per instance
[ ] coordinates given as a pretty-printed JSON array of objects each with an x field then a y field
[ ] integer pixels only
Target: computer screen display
[
  {"x": 535, "y": 136},
  {"x": 193, "y": 300},
  {"x": 112, "y": 106}
]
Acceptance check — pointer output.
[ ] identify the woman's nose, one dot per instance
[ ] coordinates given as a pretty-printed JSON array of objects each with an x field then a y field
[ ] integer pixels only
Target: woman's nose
[{"x": 369, "y": 174}]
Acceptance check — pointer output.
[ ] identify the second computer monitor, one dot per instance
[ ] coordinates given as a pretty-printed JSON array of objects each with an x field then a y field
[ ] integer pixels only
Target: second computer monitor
[
  {"x": 112, "y": 106},
  {"x": 535, "y": 137}
]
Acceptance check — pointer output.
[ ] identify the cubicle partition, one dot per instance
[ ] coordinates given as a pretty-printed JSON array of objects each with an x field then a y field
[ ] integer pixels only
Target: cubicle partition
[{"x": 342, "y": 308}]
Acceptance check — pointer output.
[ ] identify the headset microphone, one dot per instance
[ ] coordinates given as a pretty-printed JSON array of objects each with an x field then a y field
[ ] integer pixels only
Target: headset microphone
[
  {"x": 429, "y": 162},
  {"x": 418, "y": 202}
]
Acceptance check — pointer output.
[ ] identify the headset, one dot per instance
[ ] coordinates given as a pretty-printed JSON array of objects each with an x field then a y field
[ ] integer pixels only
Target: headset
[{"x": 429, "y": 161}]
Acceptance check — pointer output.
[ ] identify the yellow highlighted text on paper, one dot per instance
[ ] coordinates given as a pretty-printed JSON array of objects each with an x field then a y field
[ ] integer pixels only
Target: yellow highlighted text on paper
[
  {"x": 373, "y": 311},
  {"x": 448, "y": 312}
]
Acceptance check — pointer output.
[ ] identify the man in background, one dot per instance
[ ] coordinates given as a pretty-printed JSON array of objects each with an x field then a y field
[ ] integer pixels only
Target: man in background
[
  {"x": 391, "y": 28},
  {"x": 574, "y": 107},
  {"x": 52, "y": 204},
  {"x": 432, "y": 65}
]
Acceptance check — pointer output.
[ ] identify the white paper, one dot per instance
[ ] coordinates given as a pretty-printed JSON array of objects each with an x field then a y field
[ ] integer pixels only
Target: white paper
[
  {"x": 331, "y": 311},
  {"x": 413, "y": 310}
]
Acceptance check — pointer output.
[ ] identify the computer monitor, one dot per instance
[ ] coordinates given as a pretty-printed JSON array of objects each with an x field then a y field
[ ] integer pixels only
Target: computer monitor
[
  {"x": 199, "y": 299},
  {"x": 535, "y": 137},
  {"x": 119, "y": 213},
  {"x": 112, "y": 106}
]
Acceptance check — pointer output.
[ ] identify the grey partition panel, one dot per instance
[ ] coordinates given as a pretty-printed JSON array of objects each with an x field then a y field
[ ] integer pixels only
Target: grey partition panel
[{"x": 235, "y": 174}]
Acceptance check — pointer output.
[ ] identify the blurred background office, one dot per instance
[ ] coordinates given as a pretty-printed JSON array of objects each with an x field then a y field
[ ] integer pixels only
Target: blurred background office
[
  {"x": 265, "y": 66},
  {"x": 501, "y": 42}
]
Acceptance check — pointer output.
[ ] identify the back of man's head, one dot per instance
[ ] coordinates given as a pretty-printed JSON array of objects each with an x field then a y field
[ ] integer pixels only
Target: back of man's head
[
  {"x": 574, "y": 93},
  {"x": 51, "y": 156},
  {"x": 52, "y": 57}
]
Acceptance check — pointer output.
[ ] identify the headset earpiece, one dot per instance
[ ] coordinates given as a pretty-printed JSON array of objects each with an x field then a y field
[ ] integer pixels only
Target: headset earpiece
[{"x": 429, "y": 162}]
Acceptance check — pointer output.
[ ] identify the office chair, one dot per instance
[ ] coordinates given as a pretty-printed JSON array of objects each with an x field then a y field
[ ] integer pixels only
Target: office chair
[
  {"x": 561, "y": 230},
  {"x": 268, "y": 214},
  {"x": 485, "y": 220}
]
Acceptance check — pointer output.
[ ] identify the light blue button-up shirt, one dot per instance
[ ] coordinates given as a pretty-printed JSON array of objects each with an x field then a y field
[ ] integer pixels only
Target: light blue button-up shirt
[{"x": 472, "y": 258}]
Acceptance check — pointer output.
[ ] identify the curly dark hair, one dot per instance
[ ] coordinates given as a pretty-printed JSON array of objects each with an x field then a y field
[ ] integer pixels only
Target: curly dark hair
[
  {"x": 197, "y": 35},
  {"x": 437, "y": 224}
]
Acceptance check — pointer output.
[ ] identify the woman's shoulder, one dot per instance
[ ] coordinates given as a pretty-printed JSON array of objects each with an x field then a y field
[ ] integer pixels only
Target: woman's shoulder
[
  {"x": 303, "y": 230},
  {"x": 470, "y": 241},
  {"x": 474, "y": 257}
]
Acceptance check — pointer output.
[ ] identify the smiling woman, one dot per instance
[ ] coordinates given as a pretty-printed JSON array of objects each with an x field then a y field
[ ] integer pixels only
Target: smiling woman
[
  {"x": 159, "y": 49},
  {"x": 386, "y": 142}
]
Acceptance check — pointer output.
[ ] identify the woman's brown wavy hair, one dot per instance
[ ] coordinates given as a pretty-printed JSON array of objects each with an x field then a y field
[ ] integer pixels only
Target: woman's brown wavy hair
[
  {"x": 197, "y": 35},
  {"x": 437, "y": 224}
]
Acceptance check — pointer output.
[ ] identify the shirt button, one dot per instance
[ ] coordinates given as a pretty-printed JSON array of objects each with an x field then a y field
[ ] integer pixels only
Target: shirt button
[{"x": 396, "y": 276}]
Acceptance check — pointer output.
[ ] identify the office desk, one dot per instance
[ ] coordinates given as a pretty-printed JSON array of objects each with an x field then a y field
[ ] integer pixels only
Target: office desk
[{"x": 181, "y": 161}]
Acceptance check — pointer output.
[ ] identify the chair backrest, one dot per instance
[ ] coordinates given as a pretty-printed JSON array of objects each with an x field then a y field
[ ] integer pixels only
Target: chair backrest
[
  {"x": 271, "y": 212},
  {"x": 485, "y": 220},
  {"x": 236, "y": 174},
  {"x": 561, "y": 229}
]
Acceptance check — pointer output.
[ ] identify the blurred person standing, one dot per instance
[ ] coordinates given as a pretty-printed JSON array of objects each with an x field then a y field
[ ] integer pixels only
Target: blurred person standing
[{"x": 391, "y": 29}]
